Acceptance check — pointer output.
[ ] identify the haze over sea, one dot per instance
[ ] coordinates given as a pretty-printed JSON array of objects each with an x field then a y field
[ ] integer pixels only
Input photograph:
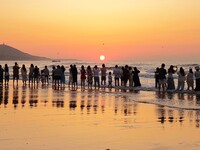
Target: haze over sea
[{"x": 41, "y": 117}]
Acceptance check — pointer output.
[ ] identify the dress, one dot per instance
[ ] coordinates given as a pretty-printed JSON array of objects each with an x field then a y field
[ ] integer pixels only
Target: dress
[
  {"x": 136, "y": 79},
  {"x": 170, "y": 81},
  {"x": 24, "y": 74}
]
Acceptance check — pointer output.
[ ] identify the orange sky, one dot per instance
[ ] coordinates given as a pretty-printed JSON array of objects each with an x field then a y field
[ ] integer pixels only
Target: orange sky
[{"x": 84, "y": 29}]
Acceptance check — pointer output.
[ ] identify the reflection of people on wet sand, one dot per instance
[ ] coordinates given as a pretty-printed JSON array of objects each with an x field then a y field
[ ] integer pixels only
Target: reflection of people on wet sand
[
  {"x": 23, "y": 99},
  {"x": 6, "y": 95},
  {"x": 15, "y": 96}
]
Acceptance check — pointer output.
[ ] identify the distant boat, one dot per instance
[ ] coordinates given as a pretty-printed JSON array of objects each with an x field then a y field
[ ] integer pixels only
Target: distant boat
[{"x": 56, "y": 60}]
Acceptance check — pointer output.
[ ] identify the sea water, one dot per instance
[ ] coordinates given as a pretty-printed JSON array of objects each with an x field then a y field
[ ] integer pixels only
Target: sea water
[{"x": 147, "y": 71}]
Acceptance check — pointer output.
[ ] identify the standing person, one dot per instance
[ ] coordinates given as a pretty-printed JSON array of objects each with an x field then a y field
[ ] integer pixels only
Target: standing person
[
  {"x": 42, "y": 77},
  {"x": 83, "y": 76},
  {"x": 74, "y": 76},
  {"x": 89, "y": 77},
  {"x": 197, "y": 78},
  {"x": 116, "y": 73},
  {"x": 6, "y": 70},
  {"x": 156, "y": 77},
  {"x": 190, "y": 79},
  {"x": 36, "y": 74},
  {"x": 110, "y": 80},
  {"x": 162, "y": 77},
  {"x": 16, "y": 73},
  {"x": 103, "y": 74},
  {"x": 62, "y": 80},
  {"x": 57, "y": 75},
  {"x": 46, "y": 74},
  {"x": 24, "y": 74},
  {"x": 1, "y": 75},
  {"x": 130, "y": 77},
  {"x": 70, "y": 75},
  {"x": 53, "y": 74},
  {"x": 31, "y": 73},
  {"x": 170, "y": 78},
  {"x": 126, "y": 75},
  {"x": 136, "y": 79},
  {"x": 96, "y": 76},
  {"x": 122, "y": 75},
  {"x": 181, "y": 79}
]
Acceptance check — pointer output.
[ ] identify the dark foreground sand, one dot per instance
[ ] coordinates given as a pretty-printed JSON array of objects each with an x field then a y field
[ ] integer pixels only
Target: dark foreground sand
[{"x": 45, "y": 118}]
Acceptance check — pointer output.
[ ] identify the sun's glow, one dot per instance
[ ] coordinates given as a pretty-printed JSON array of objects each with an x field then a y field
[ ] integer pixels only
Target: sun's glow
[{"x": 102, "y": 57}]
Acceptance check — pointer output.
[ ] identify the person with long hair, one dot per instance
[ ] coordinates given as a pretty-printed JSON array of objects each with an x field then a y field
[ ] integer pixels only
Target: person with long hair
[
  {"x": 190, "y": 79},
  {"x": 83, "y": 76},
  {"x": 89, "y": 77},
  {"x": 24, "y": 74},
  {"x": 6, "y": 71},
  {"x": 170, "y": 78}
]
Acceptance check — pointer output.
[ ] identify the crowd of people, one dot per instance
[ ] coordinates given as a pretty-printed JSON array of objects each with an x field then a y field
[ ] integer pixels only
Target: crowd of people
[
  {"x": 166, "y": 82},
  {"x": 123, "y": 76},
  {"x": 92, "y": 76}
]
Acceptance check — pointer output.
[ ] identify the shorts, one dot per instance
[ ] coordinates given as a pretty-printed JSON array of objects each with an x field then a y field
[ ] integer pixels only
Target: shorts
[
  {"x": 15, "y": 77},
  {"x": 162, "y": 81}
]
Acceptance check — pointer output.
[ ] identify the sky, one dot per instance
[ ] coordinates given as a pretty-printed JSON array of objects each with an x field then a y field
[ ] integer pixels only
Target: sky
[{"x": 86, "y": 29}]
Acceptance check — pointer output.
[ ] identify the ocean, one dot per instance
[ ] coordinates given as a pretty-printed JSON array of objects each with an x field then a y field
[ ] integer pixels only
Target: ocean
[{"x": 146, "y": 68}]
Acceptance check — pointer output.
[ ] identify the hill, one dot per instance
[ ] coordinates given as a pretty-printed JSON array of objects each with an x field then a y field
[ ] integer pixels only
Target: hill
[{"x": 10, "y": 53}]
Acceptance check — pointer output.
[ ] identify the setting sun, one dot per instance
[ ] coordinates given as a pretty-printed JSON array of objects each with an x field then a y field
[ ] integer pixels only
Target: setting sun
[{"x": 102, "y": 57}]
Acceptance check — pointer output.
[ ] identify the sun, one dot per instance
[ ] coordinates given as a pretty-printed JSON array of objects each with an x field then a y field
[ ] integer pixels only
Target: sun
[{"x": 102, "y": 57}]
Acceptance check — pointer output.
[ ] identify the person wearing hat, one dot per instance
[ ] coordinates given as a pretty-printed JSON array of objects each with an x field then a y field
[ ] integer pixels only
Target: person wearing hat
[{"x": 197, "y": 78}]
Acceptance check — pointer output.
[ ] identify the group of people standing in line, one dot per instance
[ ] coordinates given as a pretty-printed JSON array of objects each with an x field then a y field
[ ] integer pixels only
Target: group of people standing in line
[
  {"x": 167, "y": 83},
  {"x": 89, "y": 74},
  {"x": 123, "y": 76},
  {"x": 92, "y": 75}
]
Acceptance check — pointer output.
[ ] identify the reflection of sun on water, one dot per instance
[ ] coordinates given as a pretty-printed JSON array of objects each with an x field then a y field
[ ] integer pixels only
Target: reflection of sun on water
[{"x": 102, "y": 57}]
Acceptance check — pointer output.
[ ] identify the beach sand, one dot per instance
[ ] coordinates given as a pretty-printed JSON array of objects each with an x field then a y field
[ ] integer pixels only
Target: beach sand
[{"x": 44, "y": 118}]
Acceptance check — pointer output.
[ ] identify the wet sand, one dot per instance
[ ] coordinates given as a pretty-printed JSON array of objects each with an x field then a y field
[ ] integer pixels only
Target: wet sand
[{"x": 45, "y": 118}]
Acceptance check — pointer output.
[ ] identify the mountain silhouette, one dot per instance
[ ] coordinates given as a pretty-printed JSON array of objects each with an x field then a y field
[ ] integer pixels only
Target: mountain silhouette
[{"x": 10, "y": 53}]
